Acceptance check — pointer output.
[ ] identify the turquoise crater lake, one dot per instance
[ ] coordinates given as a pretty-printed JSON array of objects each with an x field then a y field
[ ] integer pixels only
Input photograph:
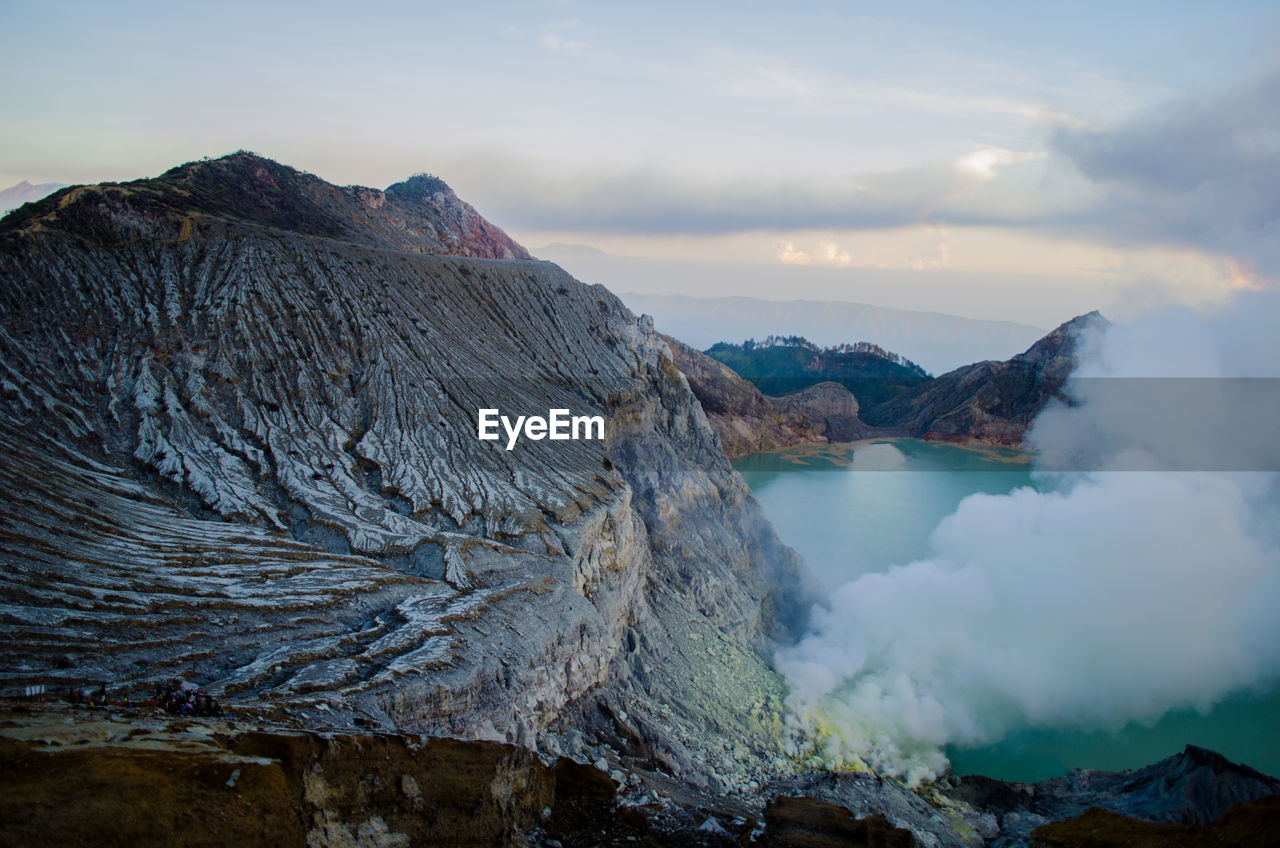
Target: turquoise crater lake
[{"x": 858, "y": 508}]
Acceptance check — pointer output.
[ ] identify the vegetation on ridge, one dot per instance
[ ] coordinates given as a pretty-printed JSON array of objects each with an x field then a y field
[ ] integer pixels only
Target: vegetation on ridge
[{"x": 783, "y": 364}]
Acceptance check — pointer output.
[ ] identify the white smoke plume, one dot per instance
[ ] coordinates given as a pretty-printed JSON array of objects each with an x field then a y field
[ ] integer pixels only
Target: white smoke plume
[{"x": 1098, "y": 598}]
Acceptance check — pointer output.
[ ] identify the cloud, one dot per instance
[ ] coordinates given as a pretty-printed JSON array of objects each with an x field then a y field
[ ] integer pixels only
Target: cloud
[
  {"x": 942, "y": 253},
  {"x": 788, "y": 255},
  {"x": 1094, "y": 600},
  {"x": 766, "y": 77},
  {"x": 1197, "y": 172},
  {"x": 658, "y": 201},
  {"x": 833, "y": 254},
  {"x": 762, "y": 82},
  {"x": 986, "y": 162},
  {"x": 828, "y": 253}
]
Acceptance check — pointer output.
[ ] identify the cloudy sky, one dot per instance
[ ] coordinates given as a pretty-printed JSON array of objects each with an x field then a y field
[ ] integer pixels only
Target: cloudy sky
[{"x": 982, "y": 159}]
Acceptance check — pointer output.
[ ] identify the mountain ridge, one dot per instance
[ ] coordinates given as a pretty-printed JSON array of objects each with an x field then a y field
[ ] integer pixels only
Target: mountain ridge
[
  {"x": 938, "y": 341},
  {"x": 985, "y": 403},
  {"x": 24, "y": 192},
  {"x": 420, "y": 214},
  {"x": 989, "y": 402},
  {"x": 747, "y": 421},
  {"x": 251, "y": 461},
  {"x": 781, "y": 365}
]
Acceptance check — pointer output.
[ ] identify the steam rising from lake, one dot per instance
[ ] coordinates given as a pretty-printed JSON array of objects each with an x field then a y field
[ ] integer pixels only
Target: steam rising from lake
[{"x": 1102, "y": 597}]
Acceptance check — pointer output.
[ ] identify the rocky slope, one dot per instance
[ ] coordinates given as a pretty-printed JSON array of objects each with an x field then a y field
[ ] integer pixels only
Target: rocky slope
[
  {"x": 144, "y": 779},
  {"x": 747, "y": 421},
  {"x": 1194, "y": 787},
  {"x": 990, "y": 402},
  {"x": 76, "y": 776},
  {"x": 239, "y": 427},
  {"x": 1251, "y": 823}
]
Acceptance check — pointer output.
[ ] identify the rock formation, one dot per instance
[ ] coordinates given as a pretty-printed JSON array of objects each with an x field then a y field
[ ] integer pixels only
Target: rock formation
[
  {"x": 1251, "y": 823},
  {"x": 239, "y": 429},
  {"x": 748, "y": 421},
  {"x": 1194, "y": 787},
  {"x": 989, "y": 402},
  {"x": 238, "y": 426}
]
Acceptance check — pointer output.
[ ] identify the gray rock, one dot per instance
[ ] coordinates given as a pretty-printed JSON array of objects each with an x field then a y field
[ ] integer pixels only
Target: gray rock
[
  {"x": 748, "y": 421},
  {"x": 238, "y": 423}
]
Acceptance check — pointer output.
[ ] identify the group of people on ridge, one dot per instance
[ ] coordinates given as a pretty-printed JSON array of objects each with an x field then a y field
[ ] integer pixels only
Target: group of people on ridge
[{"x": 182, "y": 699}]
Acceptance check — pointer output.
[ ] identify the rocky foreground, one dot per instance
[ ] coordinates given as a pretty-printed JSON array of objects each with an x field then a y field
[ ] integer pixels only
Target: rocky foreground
[{"x": 76, "y": 776}]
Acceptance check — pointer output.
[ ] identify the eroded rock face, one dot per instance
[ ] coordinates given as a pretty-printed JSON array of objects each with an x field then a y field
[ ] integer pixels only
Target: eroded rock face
[
  {"x": 239, "y": 428},
  {"x": 931, "y": 817},
  {"x": 832, "y": 409}
]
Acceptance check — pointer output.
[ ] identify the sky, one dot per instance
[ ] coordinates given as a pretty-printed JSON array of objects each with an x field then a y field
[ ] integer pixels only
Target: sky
[{"x": 1025, "y": 162}]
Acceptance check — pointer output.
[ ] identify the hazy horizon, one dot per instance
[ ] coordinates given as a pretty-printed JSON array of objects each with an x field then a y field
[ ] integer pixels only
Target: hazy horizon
[{"x": 1113, "y": 156}]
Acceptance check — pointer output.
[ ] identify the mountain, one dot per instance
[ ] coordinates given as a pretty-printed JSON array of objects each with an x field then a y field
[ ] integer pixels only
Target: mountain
[
  {"x": 239, "y": 448},
  {"x": 24, "y": 192},
  {"x": 239, "y": 429},
  {"x": 1190, "y": 798},
  {"x": 936, "y": 341},
  {"x": 986, "y": 402},
  {"x": 781, "y": 365},
  {"x": 749, "y": 422},
  {"x": 992, "y": 402},
  {"x": 419, "y": 215}
]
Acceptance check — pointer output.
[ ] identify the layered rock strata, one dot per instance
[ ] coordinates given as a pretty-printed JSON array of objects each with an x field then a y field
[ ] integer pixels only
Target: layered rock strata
[{"x": 239, "y": 429}]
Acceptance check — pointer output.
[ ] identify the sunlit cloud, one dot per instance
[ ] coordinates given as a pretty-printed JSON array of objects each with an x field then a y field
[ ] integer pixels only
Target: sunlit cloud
[
  {"x": 941, "y": 257},
  {"x": 984, "y": 163},
  {"x": 1194, "y": 172},
  {"x": 827, "y": 253},
  {"x": 788, "y": 255},
  {"x": 833, "y": 254}
]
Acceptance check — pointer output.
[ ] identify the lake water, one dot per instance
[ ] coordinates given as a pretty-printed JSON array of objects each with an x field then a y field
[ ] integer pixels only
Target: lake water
[{"x": 859, "y": 508}]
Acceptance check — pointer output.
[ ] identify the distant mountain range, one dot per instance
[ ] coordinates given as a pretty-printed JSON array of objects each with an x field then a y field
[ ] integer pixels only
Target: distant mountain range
[
  {"x": 849, "y": 392},
  {"x": 24, "y": 192},
  {"x": 936, "y": 341}
]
